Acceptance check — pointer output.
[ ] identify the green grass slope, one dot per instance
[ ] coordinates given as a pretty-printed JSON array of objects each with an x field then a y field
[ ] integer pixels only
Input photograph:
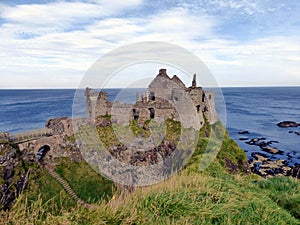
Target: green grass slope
[{"x": 224, "y": 193}]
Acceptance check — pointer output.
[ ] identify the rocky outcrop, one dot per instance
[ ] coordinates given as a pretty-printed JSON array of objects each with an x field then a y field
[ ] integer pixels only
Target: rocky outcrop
[
  {"x": 137, "y": 157},
  {"x": 263, "y": 166},
  {"x": 294, "y": 132},
  {"x": 264, "y": 145},
  {"x": 234, "y": 168},
  {"x": 271, "y": 150},
  {"x": 13, "y": 174},
  {"x": 19, "y": 161},
  {"x": 295, "y": 171},
  {"x": 263, "y": 163},
  {"x": 288, "y": 124},
  {"x": 244, "y": 132}
]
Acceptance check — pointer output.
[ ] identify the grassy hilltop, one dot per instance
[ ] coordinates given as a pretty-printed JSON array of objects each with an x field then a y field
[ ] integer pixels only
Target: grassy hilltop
[{"x": 225, "y": 193}]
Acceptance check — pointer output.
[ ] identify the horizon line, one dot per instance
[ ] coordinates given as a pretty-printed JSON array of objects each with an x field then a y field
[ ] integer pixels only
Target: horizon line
[{"x": 74, "y": 88}]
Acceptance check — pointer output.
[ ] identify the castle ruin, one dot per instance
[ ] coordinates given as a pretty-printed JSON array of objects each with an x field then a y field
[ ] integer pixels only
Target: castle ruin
[
  {"x": 159, "y": 102},
  {"x": 163, "y": 99}
]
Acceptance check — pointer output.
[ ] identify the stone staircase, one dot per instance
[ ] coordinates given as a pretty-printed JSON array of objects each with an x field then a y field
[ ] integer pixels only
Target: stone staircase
[{"x": 65, "y": 185}]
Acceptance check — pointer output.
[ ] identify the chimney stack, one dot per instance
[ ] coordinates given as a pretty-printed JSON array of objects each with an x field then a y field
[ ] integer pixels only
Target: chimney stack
[{"x": 194, "y": 83}]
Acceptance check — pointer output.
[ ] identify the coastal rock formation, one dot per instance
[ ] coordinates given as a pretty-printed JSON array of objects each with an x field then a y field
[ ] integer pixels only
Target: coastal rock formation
[
  {"x": 244, "y": 132},
  {"x": 13, "y": 174},
  {"x": 141, "y": 157},
  {"x": 288, "y": 124},
  {"x": 271, "y": 150},
  {"x": 294, "y": 132},
  {"x": 264, "y": 145},
  {"x": 19, "y": 159},
  {"x": 263, "y": 166},
  {"x": 295, "y": 171}
]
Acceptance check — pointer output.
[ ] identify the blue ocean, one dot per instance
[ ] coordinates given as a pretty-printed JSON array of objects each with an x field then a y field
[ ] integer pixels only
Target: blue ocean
[{"x": 256, "y": 110}]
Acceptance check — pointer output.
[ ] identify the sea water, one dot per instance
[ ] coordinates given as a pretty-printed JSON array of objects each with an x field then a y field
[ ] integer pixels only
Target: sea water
[{"x": 256, "y": 110}]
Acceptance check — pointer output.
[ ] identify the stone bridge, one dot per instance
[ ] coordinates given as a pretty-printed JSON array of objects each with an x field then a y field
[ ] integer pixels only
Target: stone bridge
[{"x": 30, "y": 135}]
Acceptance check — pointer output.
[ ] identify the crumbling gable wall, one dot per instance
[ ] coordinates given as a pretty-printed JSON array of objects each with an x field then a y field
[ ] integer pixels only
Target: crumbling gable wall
[{"x": 161, "y": 101}]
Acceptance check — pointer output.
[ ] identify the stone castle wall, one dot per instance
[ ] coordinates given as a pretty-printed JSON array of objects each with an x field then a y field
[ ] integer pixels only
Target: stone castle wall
[
  {"x": 61, "y": 141},
  {"x": 210, "y": 113},
  {"x": 165, "y": 98}
]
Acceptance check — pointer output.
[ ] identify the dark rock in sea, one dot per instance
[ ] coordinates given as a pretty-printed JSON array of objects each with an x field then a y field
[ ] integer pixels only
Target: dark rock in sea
[
  {"x": 272, "y": 150},
  {"x": 260, "y": 157},
  {"x": 262, "y": 144},
  {"x": 244, "y": 132},
  {"x": 289, "y": 155},
  {"x": 243, "y": 139},
  {"x": 288, "y": 124},
  {"x": 263, "y": 166},
  {"x": 253, "y": 141},
  {"x": 294, "y": 132}
]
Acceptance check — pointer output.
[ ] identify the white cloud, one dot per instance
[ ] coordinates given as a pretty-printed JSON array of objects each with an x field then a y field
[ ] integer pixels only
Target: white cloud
[
  {"x": 248, "y": 7},
  {"x": 267, "y": 62},
  {"x": 65, "y": 38},
  {"x": 31, "y": 20},
  {"x": 61, "y": 12},
  {"x": 180, "y": 22}
]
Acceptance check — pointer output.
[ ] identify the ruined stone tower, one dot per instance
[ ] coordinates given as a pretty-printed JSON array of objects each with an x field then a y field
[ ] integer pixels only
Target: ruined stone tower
[{"x": 164, "y": 99}]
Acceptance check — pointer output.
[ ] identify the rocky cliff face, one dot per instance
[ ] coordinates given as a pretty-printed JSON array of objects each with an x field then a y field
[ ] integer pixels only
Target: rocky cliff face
[
  {"x": 14, "y": 168},
  {"x": 19, "y": 162}
]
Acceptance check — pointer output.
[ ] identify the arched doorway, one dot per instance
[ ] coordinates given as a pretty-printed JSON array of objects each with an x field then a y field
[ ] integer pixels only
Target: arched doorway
[{"x": 42, "y": 152}]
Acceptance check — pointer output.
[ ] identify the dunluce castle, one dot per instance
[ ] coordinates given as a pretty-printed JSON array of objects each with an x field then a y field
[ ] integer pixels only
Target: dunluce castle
[
  {"x": 163, "y": 99},
  {"x": 158, "y": 103}
]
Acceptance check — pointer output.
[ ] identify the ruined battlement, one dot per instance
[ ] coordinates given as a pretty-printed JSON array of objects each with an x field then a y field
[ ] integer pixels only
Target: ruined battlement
[{"x": 160, "y": 101}]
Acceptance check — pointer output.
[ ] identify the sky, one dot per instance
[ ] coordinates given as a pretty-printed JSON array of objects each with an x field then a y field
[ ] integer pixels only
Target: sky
[{"x": 51, "y": 44}]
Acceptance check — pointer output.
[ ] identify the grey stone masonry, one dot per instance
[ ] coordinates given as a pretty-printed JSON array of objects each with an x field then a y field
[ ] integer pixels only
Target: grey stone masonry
[{"x": 165, "y": 98}]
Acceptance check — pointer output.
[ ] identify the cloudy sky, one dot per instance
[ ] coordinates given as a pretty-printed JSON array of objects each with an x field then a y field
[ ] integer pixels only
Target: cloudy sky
[{"x": 51, "y": 44}]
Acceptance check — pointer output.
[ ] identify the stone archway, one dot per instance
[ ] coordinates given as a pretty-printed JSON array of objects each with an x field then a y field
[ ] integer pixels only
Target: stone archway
[{"x": 42, "y": 152}]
